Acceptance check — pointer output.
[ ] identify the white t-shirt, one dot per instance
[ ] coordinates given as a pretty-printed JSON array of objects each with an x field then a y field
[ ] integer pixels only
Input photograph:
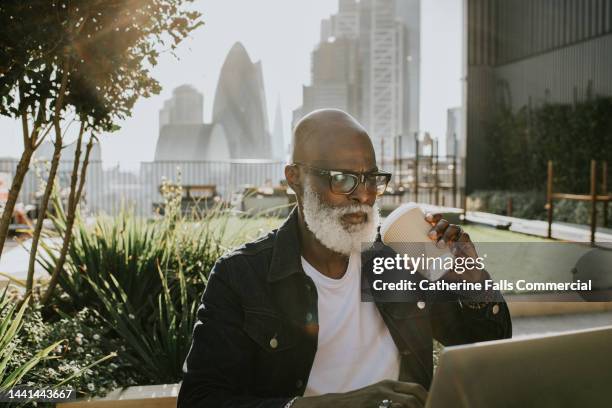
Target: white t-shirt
[{"x": 355, "y": 348}]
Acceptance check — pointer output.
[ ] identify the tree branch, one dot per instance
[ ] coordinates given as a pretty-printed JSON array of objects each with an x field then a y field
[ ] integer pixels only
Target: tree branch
[
  {"x": 70, "y": 216},
  {"x": 59, "y": 102},
  {"x": 24, "y": 120}
]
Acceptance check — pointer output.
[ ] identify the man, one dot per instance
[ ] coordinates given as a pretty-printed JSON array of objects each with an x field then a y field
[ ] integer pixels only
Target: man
[{"x": 282, "y": 323}]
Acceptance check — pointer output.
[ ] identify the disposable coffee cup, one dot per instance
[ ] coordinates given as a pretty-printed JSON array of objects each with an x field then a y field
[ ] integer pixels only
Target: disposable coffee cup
[{"x": 406, "y": 231}]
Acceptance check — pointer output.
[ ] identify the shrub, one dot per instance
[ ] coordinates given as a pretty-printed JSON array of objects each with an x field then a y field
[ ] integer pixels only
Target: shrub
[
  {"x": 145, "y": 279},
  {"x": 521, "y": 142},
  {"x": 83, "y": 357},
  {"x": 530, "y": 205},
  {"x": 12, "y": 366}
]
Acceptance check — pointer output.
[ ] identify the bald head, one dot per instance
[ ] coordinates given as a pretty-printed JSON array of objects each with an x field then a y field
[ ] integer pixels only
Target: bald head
[{"x": 331, "y": 137}]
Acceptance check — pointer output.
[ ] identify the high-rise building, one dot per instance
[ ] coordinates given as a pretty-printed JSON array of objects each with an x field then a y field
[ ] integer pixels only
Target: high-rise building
[
  {"x": 185, "y": 107},
  {"x": 279, "y": 148},
  {"x": 345, "y": 24},
  {"x": 409, "y": 13},
  {"x": 326, "y": 29},
  {"x": 455, "y": 140},
  {"x": 240, "y": 106},
  {"x": 182, "y": 132},
  {"x": 239, "y": 129},
  {"x": 334, "y": 76},
  {"x": 525, "y": 52},
  {"x": 367, "y": 64},
  {"x": 383, "y": 58}
]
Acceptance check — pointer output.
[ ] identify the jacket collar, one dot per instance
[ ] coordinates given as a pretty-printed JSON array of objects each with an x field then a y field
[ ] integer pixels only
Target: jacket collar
[{"x": 286, "y": 253}]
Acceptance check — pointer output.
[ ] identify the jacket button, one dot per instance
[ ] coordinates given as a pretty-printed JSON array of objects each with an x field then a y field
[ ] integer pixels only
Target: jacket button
[
  {"x": 495, "y": 309},
  {"x": 421, "y": 304},
  {"x": 308, "y": 317},
  {"x": 273, "y": 342},
  {"x": 299, "y": 383}
]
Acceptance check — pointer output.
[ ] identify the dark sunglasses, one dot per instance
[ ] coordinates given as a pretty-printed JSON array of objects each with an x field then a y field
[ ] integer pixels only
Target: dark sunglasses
[{"x": 345, "y": 182}]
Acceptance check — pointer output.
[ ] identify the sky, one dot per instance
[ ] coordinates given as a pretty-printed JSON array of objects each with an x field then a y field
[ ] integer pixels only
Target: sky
[{"x": 281, "y": 34}]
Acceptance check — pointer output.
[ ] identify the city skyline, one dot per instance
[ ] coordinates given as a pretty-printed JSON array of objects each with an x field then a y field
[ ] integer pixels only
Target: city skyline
[{"x": 283, "y": 45}]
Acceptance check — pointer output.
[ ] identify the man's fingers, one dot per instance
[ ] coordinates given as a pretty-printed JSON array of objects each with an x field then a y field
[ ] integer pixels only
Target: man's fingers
[
  {"x": 433, "y": 218},
  {"x": 438, "y": 230},
  {"x": 405, "y": 401},
  {"x": 409, "y": 388},
  {"x": 452, "y": 233},
  {"x": 465, "y": 237}
]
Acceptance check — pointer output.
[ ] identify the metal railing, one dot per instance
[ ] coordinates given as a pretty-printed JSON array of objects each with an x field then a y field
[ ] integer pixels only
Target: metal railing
[{"x": 109, "y": 188}]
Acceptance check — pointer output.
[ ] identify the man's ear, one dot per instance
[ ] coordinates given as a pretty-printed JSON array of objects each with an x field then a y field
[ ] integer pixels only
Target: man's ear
[{"x": 294, "y": 180}]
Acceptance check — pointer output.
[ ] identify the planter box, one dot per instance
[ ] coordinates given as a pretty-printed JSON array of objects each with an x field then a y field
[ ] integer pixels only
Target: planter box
[{"x": 150, "y": 396}]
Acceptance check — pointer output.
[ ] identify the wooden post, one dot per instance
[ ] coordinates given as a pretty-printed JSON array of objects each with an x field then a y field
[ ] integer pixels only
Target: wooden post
[
  {"x": 509, "y": 207},
  {"x": 549, "y": 200},
  {"x": 604, "y": 191},
  {"x": 416, "y": 168},
  {"x": 593, "y": 200}
]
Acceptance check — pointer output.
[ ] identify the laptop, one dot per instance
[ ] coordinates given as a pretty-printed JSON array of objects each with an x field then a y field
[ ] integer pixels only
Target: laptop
[{"x": 571, "y": 369}]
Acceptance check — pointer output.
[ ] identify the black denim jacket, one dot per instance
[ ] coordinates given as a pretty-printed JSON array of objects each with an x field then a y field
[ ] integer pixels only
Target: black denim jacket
[{"x": 256, "y": 335}]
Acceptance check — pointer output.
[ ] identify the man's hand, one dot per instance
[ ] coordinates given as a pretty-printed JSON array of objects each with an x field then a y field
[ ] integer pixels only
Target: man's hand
[
  {"x": 459, "y": 244},
  {"x": 400, "y": 395}
]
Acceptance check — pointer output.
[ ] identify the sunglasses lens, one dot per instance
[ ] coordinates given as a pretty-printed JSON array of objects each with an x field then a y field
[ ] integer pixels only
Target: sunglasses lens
[{"x": 343, "y": 183}]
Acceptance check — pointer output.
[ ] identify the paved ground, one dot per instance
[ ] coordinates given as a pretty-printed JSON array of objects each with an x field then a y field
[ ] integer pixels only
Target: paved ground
[
  {"x": 14, "y": 261},
  {"x": 560, "y": 230},
  {"x": 554, "y": 324},
  {"x": 9, "y": 244}
]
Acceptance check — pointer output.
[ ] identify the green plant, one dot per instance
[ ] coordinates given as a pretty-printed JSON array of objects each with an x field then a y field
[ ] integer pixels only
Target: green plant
[
  {"x": 11, "y": 323},
  {"x": 157, "y": 345},
  {"x": 530, "y": 205},
  {"x": 521, "y": 141},
  {"x": 84, "y": 358},
  {"x": 525, "y": 204},
  {"x": 145, "y": 279}
]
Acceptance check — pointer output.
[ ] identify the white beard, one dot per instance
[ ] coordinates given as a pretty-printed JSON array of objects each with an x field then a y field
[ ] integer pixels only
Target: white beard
[{"x": 326, "y": 224}]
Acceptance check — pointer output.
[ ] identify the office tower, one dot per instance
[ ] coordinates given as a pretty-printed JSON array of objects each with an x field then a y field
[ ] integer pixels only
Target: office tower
[
  {"x": 326, "y": 29},
  {"x": 334, "y": 77},
  {"x": 279, "y": 149},
  {"x": 182, "y": 132},
  {"x": 409, "y": 13},
  {"x": 185, "y": 107},
  {"x": 240, "y": 106},
  {"x": 239, "y": 129},
  {"x": 528, "y": 52},
  {"x": 367, "y": 64},
  {"x": 455, "y": 142},
  {"x": 382, "y": 54},
  {"x": 345, "y": 24}
]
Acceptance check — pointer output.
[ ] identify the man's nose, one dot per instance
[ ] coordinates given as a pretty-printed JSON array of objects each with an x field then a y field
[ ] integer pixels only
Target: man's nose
[{"x": 363, "y": 195}]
